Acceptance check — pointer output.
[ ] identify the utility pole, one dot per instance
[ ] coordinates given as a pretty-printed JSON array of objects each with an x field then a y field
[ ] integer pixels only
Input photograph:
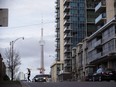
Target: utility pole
[{"x": 12, "y": 56}]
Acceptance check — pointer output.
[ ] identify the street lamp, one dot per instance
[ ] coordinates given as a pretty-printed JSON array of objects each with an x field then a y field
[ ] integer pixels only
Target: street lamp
[{"x": 12, "y": 54}]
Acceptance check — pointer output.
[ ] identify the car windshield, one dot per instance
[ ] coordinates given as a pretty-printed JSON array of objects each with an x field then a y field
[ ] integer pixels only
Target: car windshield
[{"x": 100, "y": 70}]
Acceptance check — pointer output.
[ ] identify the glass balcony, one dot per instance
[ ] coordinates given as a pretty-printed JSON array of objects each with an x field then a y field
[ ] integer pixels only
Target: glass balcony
[
  {"x": 100, "y": 5},
  {"x": 67, "y": 50},
  {"x": 100, "y": 17},
  {"x": 57, "y": 6},
  {"x": 67, "y": 57},
  {"x": 67, "y": 29},
  {"x": 66, "y": 8},
  {"x": 67, "y": 36},
  {"x": 67, "y": 44},
  {"x": 67, "y": 65},
  {"x": 67, "y": 22},
  {"x": 67, "y": 15},
  {"x": 67, "y": 2}
]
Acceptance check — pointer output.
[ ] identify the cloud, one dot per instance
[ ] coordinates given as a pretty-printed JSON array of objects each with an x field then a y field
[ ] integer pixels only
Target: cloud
[{"x": 25, "y": 17}]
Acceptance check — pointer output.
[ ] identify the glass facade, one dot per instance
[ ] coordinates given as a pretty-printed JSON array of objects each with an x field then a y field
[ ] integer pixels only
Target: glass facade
[
  {"x": 74, "y": 19},
  {"x": 57, "y": 30}
]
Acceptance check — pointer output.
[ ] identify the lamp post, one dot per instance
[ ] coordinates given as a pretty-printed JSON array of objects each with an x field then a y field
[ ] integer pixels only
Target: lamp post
[{"x": 12, "y": 55}]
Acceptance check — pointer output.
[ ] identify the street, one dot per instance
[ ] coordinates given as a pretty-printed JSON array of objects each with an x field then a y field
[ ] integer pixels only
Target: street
[{"x": 69, "y": 84}]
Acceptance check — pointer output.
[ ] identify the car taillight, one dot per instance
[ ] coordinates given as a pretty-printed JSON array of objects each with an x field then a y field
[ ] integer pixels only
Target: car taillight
[
  {"x": 103, "y": 73},
  {"x": 110, "y": 73}
]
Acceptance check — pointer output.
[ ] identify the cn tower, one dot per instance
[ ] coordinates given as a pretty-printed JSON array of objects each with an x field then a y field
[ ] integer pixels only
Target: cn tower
[{"x": 42, "y": 53}]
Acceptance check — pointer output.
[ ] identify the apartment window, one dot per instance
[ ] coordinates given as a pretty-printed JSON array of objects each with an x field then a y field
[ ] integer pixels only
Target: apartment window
[
  {"x": 90, "y": 3},
  {"x": 108, "y": 33},
  {"x": 90, "y": 16},
  {"x": 108, "y": 47},
  {"x": 81, "y": 4},
  {"x": 89, "y": 45},
  {"x": 92, "y": 55},
  {"x": 80, "y": 60},
  {"x": 81, "y": 12}
]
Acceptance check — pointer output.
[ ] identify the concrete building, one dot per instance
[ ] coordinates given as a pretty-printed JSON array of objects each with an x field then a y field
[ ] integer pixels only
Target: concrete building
[
  {"x": 80, "y": 59},
  {"x": 59, "y": 41},
  {"x": 56, "y": 68},
  {"x": 3, "y": 17},
  {"x": 21, "y": 76},
  {"x": 59, "y": 31},
  {"x": 100, "y": 47},
  {"x": 102, "y": 44},
  {"x": 74, "y": 63}
]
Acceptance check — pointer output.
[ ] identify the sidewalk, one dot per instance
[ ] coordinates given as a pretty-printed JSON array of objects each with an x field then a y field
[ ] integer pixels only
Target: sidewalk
[{"x": 10, "y": 84}]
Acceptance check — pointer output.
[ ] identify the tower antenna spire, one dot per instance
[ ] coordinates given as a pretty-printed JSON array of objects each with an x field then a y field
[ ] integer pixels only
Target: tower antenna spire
[{"x": 42, "y": 42}]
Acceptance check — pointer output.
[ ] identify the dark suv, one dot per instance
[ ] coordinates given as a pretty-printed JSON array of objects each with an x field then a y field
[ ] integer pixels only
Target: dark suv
[
  {"x": 106, "y": 75},
  {"x": 41, "y": 78}
]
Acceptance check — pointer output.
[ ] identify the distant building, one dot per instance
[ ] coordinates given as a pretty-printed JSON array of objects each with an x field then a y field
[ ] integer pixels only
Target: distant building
[
  {"x": 2, "y": 68},
  {"x": 21, "y": 76},
  {"x": 81, "y": 60},
  {"x": 56, "y": 67},
  {"x": 3, "y": 17}
]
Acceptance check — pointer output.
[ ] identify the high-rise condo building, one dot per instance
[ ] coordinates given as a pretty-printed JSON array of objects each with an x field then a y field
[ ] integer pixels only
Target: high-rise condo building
[
  {"x": 3, "y": 17},
  {"x": 74, "y": 21}
]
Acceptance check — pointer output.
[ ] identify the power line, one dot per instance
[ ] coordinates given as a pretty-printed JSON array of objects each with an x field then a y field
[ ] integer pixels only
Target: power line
[{"x": 30, "y": 25}]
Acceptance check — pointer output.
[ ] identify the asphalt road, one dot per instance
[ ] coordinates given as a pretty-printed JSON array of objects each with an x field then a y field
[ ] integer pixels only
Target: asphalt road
[
  {"x": 10, "y": 84},
  {"x": 70, "y": 84}
]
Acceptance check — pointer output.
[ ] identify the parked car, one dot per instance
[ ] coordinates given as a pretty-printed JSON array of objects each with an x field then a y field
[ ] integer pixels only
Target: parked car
[
  {"x": 89, "y": 77},
  {"x": 41, "y": 78},
  {"x": 106, "y": 75}
]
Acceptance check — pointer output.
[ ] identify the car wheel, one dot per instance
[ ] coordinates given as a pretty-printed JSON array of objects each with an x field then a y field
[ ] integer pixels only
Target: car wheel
[{"x": 93, "y": 79}]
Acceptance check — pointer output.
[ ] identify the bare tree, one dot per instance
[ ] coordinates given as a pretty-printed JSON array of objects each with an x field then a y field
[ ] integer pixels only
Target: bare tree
[{"x": 12, "y": 61}]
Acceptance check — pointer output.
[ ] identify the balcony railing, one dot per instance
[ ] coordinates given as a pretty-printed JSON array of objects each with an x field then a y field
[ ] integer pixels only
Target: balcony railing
[
  {"x": 97, "y": 43},
  {"x": 101, "y": 4},
  {"x": 66, "y": 1},
  {"x": 67, "y": 36},
  {"x": 67, "y": 65},
  {"x": 67, "y": 29},
  {"x": 66, "y": 8},
  {"x": 67, "y": 22},
  {"x": 100, "y": 17},
  {"x": 67, "y": 43},
  {"x": 95, "y": 57},
  {"x": 98, "y": 55},
  {"x": 67, "y": 15},
  {"x": 67, "y": 50},
  {"x": 67, "y": 57}
]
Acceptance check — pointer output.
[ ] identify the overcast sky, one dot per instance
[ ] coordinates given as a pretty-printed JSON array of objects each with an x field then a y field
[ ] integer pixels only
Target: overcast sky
[{"x": 25, "y": 17}]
